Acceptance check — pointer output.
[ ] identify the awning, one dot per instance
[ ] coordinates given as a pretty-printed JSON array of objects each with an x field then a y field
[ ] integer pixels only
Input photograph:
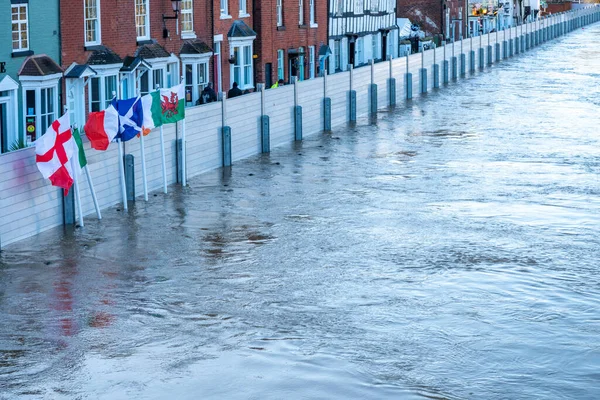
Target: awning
[
  {"x": 40, "y": 65},
  {"x": 76, "y": 71}
]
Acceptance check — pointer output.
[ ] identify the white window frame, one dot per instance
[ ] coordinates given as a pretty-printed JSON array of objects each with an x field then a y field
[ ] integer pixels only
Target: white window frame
[
  {"x": 7, "y": 84},
  {"x": 313, "y": 17},
  {"x": 19, "y": 23},
  {"x": 37, "y": 83},
  {"x": 224, "y": 6},
  {"x": 195, "y": 62},
  {"x": 242, "y": 43},
  {"x": 243, "y": 9},
  {"x": 146, "y": 25},
  {"x": 103, "y": 97},
  {"x": 97, "y": 20},
  {"x": 360, "y": 51},
  {"x": 280, "y": 64},
  {"x": 311, "y": 62},
  {"x": 300, "y": 12},
  {"x": 189, "y": 13},
  {"x": 279, "y": 11}
]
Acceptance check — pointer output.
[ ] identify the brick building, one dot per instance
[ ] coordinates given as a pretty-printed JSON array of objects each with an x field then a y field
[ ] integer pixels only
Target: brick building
[
  {"x": 126, "y": 48},
  {"x": 291, "y": 35},
  {"x": 233, "y": 40}
]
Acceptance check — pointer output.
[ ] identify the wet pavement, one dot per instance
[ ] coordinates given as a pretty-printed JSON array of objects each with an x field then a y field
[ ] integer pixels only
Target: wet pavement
[{"x": 448, "y": 249}]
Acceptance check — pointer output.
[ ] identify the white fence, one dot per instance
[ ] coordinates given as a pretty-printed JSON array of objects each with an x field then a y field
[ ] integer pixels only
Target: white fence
[{"x": 30, "y": 205}]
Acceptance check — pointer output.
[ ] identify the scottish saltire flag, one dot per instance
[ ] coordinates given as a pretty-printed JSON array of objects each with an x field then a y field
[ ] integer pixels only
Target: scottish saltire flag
[{"x": 131, "y": 118}]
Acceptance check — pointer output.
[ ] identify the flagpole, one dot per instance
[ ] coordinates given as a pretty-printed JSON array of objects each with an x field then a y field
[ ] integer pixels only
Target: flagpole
[
  {"x": 92, "y": 191},
  {"x": 183, "y": 169},
  {"x": 122, "y": 172},
  {"x": 78, "y": 199},
  {"x": 164, "y": 163}
]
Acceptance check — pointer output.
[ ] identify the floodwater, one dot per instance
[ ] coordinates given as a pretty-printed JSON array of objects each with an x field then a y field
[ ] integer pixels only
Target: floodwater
[{"x": 449, "y": 249}]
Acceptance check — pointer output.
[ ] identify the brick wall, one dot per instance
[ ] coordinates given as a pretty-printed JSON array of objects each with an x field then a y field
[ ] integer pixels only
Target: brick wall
[{"x": 291, "y": 35}]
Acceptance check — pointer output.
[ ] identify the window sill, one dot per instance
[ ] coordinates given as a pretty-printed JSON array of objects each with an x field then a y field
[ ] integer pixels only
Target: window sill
[
  {"x": 303, "y": 26},
  {"x": 22, "y": 53},
  {"x": 313, "y": 25},
  {"x": 281, "y": 28},
  {"x": 142, "y": 41},
  {"x": 244, "y": 15},
  {"x": 225, "y": 16},
  {"x": 188, "y": 35},
  {"x": 92, "y": 47}
]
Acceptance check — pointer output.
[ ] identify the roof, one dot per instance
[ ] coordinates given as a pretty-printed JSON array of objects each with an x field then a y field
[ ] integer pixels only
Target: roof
[
  {"x": 131, "y": 63},
  {"x": 39, "y": 65},
  {"x": 240, "y": 29},
  {"x": 104, "y": 56},
  {"x": 195, "y": 47},
  {"x": 152, "y": 50},
  {"x": 79, "y": 70}
]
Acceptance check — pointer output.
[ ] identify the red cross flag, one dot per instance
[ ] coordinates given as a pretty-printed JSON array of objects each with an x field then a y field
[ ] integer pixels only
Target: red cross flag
[{"x": 57, "y": 154}]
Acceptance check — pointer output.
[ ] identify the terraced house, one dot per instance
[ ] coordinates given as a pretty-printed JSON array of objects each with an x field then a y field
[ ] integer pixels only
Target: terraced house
[
  {"x": 360, "y": 31},
  {"x": 29, "y": 70}
]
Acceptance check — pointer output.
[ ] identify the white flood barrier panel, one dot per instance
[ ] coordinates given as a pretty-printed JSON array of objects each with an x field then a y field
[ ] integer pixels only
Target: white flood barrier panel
[
  {"x": 381, "y": 75},
  {"x": 243, "y": 117},
  {"x": 203, "y": 138},
  {"x": 338, "y": 88},
  {"x": 361, "y": 81},
  {"x": 279, "y": 106},
  {"x": 310, "y": 98}
]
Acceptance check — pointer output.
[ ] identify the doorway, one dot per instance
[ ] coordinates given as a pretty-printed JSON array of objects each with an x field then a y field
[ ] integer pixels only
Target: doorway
[{"x": 3, "y": 126}]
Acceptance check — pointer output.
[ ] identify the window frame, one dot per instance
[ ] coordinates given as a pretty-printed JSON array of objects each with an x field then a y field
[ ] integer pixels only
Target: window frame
[
  {"x": 36, "y": 84},
  {"x": 98, "y": 29},
  {"x": 146, "y": 25},
  {"x": 243, "y": 11},
  {"x": 19, "y": 22},
  {"x": 312, "y": 14},
  {"x": 280, "y": 64},
  {"x": 224, "y": 10},
  {"x": 301, "y": 12},
  {"x": 279, "y": 12},
  {"x": 187, "y": 33},
  {"x": 195, "y": 62},
  {"x": 242, "y": 44},
  {"x": 311, "y": 62}
]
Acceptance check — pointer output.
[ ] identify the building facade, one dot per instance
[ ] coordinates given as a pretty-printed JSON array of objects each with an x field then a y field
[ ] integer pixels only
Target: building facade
[
  {"x": 292, "y": 39},
  {"x": 234, "y": 44},
  {"x": 361, "y": 31},
  {"x": 29, "y": 70},
  {"x": 126, "y": 48}
]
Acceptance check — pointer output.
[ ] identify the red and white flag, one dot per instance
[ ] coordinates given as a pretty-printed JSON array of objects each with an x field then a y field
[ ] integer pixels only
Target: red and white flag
[
  {"x": 57, "y": 154},
  {"x": 102, "y": 127}
]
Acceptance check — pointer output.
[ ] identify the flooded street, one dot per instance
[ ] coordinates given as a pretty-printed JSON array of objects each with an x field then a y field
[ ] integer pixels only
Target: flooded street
[{"x": 448, "y": 249}]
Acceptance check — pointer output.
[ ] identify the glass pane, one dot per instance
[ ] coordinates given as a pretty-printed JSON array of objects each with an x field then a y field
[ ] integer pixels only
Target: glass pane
[
  {"x": 247, "y": 55},
  {"x": 247, "y": 75},
  {"x": 144, "y": 84},
  {"x": 201, "y": 73},
  {"x": 43, "y": 100},
  {"x": 237, "y": 55},
  {"x": 30, "y": 102},
  {"x": 50, "y": 98},
  {"x": 236, "y": 74}
]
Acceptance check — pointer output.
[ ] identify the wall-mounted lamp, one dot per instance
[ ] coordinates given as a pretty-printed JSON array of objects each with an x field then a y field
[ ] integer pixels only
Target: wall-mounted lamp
[{"x": 176, "y": 4}]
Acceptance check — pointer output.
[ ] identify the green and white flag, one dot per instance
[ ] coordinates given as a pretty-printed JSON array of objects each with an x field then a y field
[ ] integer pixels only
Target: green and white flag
[{"x": 81, "y": 160}]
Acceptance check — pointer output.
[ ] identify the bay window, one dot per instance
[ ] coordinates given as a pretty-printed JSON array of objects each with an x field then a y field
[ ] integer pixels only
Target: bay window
[
  {"x": 40, "y": 103},
  {"x": 195, "y": 74},
  {"x": 242, "y": 68}
]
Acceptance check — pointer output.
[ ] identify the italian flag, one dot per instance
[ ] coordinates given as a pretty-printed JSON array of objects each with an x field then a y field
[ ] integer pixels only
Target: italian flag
[
  {"x": 102, "y": 127},
  {"x": 57, "y": 154},
  {"x": 165, "y": 106}
]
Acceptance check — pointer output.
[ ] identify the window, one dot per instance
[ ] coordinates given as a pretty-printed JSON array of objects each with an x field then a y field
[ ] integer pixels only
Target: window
[
  {"x": 340, "y": 7},
  {"x": 20, "y": 27},
  {"x": 48, "y": 109},
  {"x": 301, "y": 12},
  {"x": 243, "y": 11},
  {"x": 374, "y": 47},
  {"x": 301, "y": 59},
  {"x": 187, "y": 17},
  {"x": 337, "y": 54},
  {"x": 280, "y": 71},
  {"x": 359, "y": 50},
  {"x": 242, "y": 69},
  {"x": 279, "y": 9},
  {"x": 196, "y": 78},
  {"x": 102, "y": 90},
  {"x": 311, "y": 62},
  {"x": 40, "y": 104},
  {"x": 375, "y": 5},
  {"x": 312, "y": 12},
  {"x": 224, "y": 8},
  {"x": 92, "y": 22},
  {"x": 142, "y": 19}
]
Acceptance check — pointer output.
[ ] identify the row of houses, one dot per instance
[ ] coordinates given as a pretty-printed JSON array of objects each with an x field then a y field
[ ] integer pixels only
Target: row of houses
[{"x": 79, "y": 54}]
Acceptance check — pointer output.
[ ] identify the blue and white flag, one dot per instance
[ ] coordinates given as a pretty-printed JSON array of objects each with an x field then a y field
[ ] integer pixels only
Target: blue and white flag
[{"x": 131, "y": 118}]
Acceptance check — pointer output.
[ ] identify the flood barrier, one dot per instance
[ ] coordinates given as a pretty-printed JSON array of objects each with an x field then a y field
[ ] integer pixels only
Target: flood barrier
[{"x": 221, "y": 133}]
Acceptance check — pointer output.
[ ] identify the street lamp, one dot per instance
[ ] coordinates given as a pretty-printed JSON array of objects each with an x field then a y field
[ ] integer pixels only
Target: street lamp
[{"x": 176, "y": 4}]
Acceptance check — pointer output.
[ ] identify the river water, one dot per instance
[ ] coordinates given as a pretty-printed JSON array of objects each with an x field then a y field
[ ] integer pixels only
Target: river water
[{"x": 448, "y": 249}]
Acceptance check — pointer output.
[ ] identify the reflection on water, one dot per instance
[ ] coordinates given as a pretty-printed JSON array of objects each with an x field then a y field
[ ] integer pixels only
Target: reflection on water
[{"x": 446, "y": 250}]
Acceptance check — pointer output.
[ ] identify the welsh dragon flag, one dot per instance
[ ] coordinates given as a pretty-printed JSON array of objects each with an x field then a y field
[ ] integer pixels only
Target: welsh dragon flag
[
  {"x": 57, "y": 154},
  {"x": 165, "y": 106}
]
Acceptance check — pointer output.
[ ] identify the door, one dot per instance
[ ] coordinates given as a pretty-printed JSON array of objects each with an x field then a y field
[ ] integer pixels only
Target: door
[{"x": 384, "y": 46}]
